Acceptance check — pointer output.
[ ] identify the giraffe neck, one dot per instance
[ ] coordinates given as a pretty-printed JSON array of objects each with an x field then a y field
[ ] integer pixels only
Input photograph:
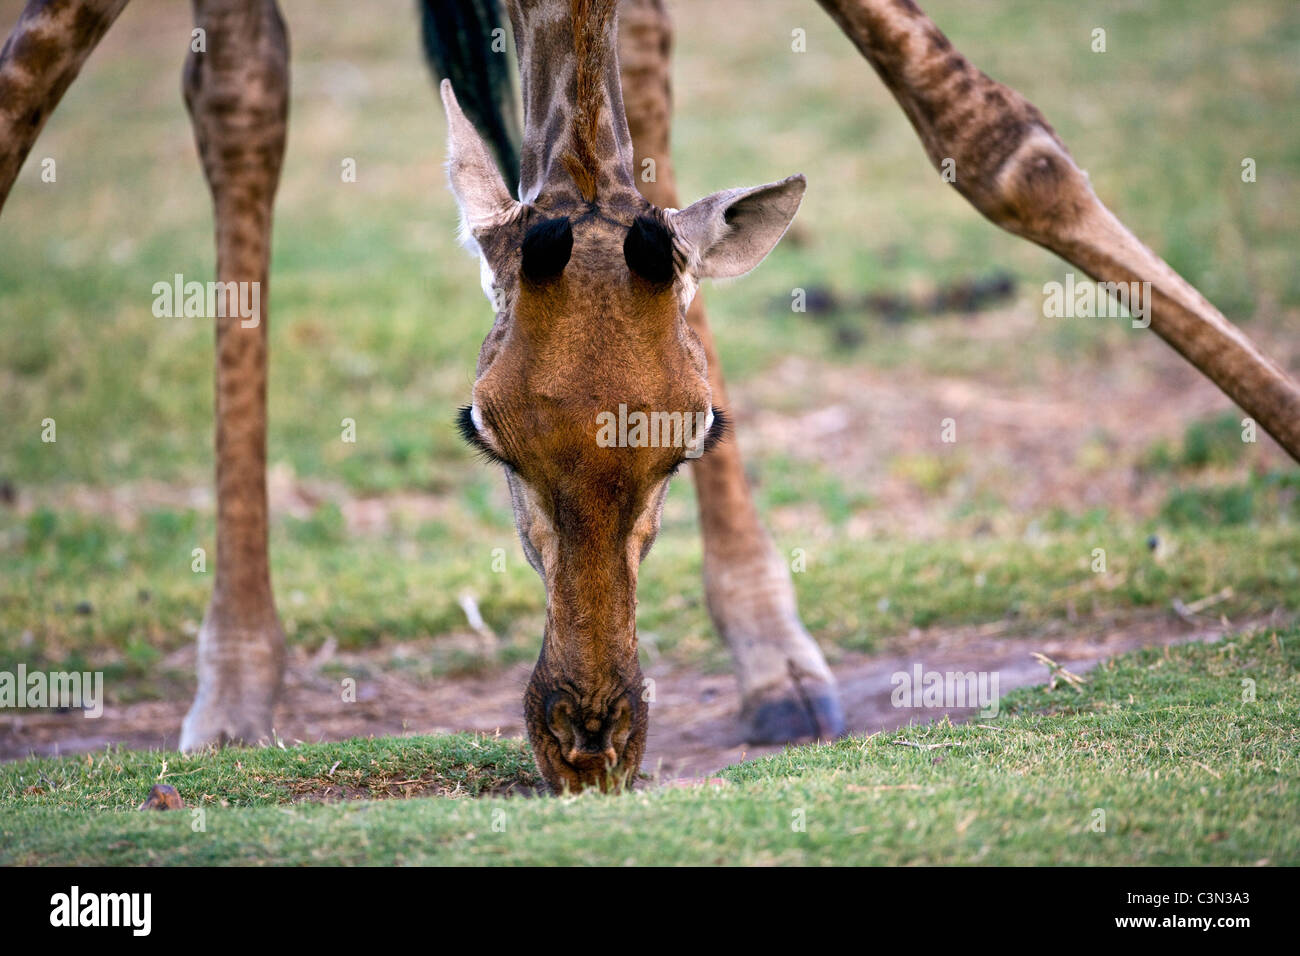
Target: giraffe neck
[{"x": 576, "y": 142}]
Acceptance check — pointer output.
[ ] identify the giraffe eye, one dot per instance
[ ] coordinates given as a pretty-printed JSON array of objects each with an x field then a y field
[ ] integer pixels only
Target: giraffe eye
[{"x": 546, "y": 249}]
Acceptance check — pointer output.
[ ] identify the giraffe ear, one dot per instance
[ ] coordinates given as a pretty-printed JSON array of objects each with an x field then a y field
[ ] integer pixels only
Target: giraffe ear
[
  {"x": 475, "y": 179},
  {"x": 731, "y": 232}
]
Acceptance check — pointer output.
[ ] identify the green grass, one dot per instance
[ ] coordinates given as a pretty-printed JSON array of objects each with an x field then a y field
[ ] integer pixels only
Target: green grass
[
  {"x": 1162, "y": 758},
  {"x": 1206, "y": 443},
  {"x": 453, "y": 765}
]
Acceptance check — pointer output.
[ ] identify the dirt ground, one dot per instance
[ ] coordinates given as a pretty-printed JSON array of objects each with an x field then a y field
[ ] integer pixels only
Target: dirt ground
[{"x": 694, "y": 727}]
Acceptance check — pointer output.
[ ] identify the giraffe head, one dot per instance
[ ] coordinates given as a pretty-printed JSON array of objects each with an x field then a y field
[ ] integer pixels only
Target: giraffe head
[{"x": 591, "y": 388}]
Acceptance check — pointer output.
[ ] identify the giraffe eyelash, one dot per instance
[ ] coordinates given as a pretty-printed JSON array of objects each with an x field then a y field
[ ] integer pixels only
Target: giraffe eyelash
[
  {"x": 717, "y": 433},
  {"x": 471, "y": 436}
]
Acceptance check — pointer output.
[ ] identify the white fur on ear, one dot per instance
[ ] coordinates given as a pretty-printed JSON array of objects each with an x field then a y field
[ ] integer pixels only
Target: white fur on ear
[
  {"x": 729, "y": 233},
  {"x": 476, "y": 181},
  {"x": 486, "y": 278}
]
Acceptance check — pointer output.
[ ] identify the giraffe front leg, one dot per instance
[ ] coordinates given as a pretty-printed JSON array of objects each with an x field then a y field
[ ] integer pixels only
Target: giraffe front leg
[
  {"x": 237, "y": 92},
  {"x": 787, "y": 691}
]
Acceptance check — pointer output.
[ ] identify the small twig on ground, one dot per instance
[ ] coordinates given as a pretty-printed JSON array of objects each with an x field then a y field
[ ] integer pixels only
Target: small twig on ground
[
  {"x": 1197, "y": 606},
  {"x": 909, "y": 743},
  {"x": 179, "y": 773},
  {"x": 1057, "y": 671},
  {"x": 325, "y": 652},
  {"x": 1197, "y": 763},
  {"x": 470, "y": 606},
  {"x": 1188, "y": 612}
]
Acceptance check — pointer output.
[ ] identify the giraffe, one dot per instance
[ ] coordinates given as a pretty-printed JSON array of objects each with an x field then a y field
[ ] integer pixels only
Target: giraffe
[{"x": 1012, "y": 167}]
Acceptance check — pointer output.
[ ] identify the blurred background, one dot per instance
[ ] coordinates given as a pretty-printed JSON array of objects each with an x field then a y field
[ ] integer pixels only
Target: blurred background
[{"x": 1072, "y": 434}]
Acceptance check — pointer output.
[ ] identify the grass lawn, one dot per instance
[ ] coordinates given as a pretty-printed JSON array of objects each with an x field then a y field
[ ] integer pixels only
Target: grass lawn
[{"x": 1184, "y": 756}]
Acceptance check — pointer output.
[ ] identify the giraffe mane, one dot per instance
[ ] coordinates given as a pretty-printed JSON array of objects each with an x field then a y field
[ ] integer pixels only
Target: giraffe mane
[{"x": 592, "y": 48}]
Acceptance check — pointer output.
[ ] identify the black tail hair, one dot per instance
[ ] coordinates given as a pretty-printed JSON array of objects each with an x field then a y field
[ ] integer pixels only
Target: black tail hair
[{"x": 458, "y": 36}]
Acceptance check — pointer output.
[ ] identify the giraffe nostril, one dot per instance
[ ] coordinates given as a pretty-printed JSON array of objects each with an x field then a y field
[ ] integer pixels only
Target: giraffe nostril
[
  {"x": 591, "y": 740},
  {"x": 584, "y": 758}
]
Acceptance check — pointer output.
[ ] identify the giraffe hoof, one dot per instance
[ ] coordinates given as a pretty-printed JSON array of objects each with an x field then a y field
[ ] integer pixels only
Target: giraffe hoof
[
  {"x": 796, "y": 714},
  {"x": 240, "y": 668},
  {"x": 207, "y": 728}
]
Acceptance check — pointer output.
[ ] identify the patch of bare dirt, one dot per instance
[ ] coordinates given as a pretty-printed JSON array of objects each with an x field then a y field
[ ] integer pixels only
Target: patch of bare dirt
[
  {"x": 316, "y": 790},
  {"x": 694, "y": 728},
  {"x": 1071, "y": 435}
]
